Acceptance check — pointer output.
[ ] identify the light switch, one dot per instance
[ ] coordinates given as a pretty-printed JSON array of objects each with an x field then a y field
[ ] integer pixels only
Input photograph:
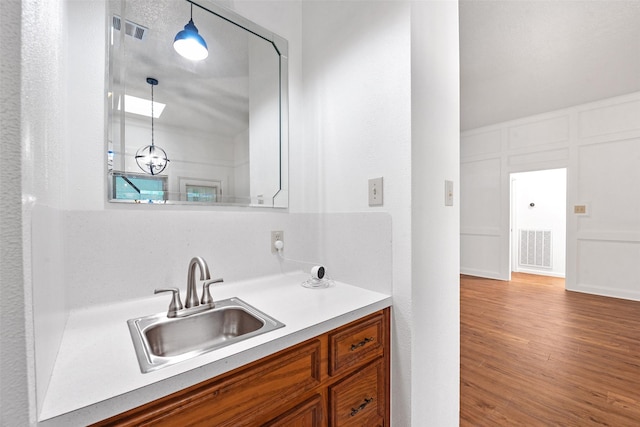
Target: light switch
[
  {"x": 580, "y": 209},
  {"x": 448, "y": 193},
  {"x": 375, "y": 192}
]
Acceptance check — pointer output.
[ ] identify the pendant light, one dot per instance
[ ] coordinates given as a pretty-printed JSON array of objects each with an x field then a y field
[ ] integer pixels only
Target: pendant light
[
  {"x": 189, "y": 43},
  {"x": 151, "y": 158}
]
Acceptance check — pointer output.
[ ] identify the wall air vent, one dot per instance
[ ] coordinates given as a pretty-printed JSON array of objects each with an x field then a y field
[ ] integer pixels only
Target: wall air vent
[
  {"x": 535, "y": 248},
  {"x": 131, "y": 29}
]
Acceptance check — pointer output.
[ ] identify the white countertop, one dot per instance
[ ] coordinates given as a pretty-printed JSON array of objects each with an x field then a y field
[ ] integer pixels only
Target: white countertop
[{"x": 96, "y": 374}]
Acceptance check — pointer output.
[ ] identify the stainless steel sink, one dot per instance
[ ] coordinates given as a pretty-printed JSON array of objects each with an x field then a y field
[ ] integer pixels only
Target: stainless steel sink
[{"x": 160, "y": 341}]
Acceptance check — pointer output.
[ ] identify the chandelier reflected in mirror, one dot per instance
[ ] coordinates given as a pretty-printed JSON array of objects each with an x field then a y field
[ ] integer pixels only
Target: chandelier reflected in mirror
[{"x": 151, "y": 158}]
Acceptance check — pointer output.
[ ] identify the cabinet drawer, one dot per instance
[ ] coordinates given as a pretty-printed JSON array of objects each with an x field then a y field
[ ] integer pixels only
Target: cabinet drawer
[
  {"x": 238, "y": 399},
  {"x": 307, "y": 414},
  {"x": 356, "y": 344},
  {"x": 359, "y": 400}
]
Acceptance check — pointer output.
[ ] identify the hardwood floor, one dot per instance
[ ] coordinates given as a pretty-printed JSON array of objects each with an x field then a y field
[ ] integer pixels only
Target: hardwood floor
[{"x": 533, "y": 354}]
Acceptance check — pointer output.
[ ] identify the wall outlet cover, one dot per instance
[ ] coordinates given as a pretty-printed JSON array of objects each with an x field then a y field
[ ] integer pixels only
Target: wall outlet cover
[{"x": 275, "y": 236}]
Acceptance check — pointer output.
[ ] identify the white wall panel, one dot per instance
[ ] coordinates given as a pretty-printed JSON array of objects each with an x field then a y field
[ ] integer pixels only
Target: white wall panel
[
  {"x": 545, "y": 157},
  {"x": 540, "y": 132},
  {"x": 480, "y": 215},
  {"x": 480, "y": 194},
  {"x": 480, "y": 255},
  {"x": 609, "y": 177},
  {"x": 609, "y": 268},
  {"x": 480, "y": 143},
  {"x": 112, "y": 248},
  {"x": 609, "y": 119}
]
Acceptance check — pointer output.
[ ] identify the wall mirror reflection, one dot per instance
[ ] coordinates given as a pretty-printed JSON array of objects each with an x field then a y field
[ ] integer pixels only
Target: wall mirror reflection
[{"x": 211, "y": 130}]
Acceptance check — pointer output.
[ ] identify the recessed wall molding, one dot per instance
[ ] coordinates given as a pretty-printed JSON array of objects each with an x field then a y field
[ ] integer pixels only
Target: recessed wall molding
[
  {"x": 613, "y": 137},
  {"x": 481, "y": 206},
  {"x": 481, "y": 158},
  {"x": 552, "y": 130},
  {"x": 478, "y": 262},
  {"x": 607, "y": 175},
  {"x": 620, "y": 280},
  {"x": 609, "y": 119},
  {"x": 539, "y": 157},
  {"x": 481, "y": 231},
  {"x": 481, "y": 144},
  {"x": 626, "y": 236}
]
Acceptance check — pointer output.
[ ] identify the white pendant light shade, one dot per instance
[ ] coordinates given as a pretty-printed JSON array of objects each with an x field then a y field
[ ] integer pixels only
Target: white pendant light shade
[{"x": 189, "y": 44}]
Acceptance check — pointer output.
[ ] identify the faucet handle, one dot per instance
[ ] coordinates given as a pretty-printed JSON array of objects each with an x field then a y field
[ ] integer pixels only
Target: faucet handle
[
  {"x": 176, "y": 304},
  {"x": 206, "y": 295}
]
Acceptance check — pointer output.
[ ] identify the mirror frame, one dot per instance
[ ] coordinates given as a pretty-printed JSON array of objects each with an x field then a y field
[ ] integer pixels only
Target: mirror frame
[{"x": 281, "y": 46}]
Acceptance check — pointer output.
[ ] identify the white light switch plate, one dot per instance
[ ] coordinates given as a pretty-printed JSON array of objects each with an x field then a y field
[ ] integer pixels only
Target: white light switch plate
[
  {"x": 448, "y": 193},
  {"x": 375, "y": 192}
]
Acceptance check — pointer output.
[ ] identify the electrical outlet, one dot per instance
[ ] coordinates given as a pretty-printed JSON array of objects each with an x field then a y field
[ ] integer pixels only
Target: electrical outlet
[{"x": 275, "y": 236}]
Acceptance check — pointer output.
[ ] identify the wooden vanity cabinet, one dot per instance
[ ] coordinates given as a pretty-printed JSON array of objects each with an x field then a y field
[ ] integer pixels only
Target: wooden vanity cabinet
[{"x": 337, "y": 379}]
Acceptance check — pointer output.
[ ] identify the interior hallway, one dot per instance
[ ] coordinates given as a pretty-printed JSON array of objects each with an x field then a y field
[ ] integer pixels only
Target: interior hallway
[{"x": 534, "y": 354}]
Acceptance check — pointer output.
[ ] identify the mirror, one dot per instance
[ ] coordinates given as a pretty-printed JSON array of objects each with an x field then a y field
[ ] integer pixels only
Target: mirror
[{"x": 222, "y": 121}]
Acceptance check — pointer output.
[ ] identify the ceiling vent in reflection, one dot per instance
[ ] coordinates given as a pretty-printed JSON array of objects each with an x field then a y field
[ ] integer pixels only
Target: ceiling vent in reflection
[{"x": 131, "y": 29}]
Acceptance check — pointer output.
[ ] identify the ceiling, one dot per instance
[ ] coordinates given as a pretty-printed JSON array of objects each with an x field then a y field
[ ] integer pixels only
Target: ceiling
[{"x": 524, "y": 57}]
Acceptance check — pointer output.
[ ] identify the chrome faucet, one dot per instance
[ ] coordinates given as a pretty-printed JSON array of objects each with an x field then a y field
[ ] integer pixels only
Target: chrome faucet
[
  {"x": 191, "y": 304},
  {"x": 192, "y": 292}
]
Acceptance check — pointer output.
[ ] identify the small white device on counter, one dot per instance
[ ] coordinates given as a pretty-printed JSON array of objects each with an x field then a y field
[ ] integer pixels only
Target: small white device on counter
[
  {"x": 318, "y": 280},
  {"x": 317, "y": 272}
]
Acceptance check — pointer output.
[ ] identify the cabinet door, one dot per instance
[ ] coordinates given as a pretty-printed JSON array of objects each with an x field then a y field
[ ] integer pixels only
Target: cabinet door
[
  {"x": 307, "y": 414},
  {"x": 359, "y": 400}
]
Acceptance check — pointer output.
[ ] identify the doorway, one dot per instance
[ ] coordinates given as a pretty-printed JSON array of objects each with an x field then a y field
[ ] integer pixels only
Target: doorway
[{"x": 539, "y": 222}]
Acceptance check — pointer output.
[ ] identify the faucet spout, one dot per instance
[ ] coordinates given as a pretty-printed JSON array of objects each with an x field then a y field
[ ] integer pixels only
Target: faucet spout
[{"x": 192, "y": 292}]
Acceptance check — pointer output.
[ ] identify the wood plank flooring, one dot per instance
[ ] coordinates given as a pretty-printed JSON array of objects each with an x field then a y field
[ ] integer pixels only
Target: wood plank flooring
[{"x": 533, "y": 354}]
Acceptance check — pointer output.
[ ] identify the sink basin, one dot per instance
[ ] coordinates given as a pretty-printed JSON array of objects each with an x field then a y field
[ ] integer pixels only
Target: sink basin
[{"x": 160, "y": 341}]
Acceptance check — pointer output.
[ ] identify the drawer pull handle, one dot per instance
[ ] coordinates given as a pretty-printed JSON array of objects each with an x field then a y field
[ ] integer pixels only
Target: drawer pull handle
[
  {"x": 354, "y": 411},
  {"x": 361, "y": 343}
]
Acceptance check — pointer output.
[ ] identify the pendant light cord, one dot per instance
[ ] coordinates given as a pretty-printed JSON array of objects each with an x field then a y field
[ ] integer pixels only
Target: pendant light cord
[{"x": 152, "y": 141}]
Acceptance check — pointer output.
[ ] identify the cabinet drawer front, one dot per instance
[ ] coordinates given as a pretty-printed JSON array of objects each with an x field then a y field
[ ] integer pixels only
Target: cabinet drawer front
[
  {"x": 359, "y": 399},
  {"x": 237, "y": 400},
  {"x": 307, "y": 414},
  {"x": 357, "y": 344}
]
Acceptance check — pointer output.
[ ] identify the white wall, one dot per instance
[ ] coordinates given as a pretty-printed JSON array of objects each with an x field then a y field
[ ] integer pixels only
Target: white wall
[
  {"x": 381, "y": 86},
  {"x": 86, "y": 251},
  {"x": 599, "y": 143},
  {"x": 435, "y": 256},
  {"x": 15, "y": 378},
  {"x": 357, "y": 91},
  {"x": 44, "y": 124},
  {"x": 350, "y": 120},
  {"x": 547, "y": 190}
]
